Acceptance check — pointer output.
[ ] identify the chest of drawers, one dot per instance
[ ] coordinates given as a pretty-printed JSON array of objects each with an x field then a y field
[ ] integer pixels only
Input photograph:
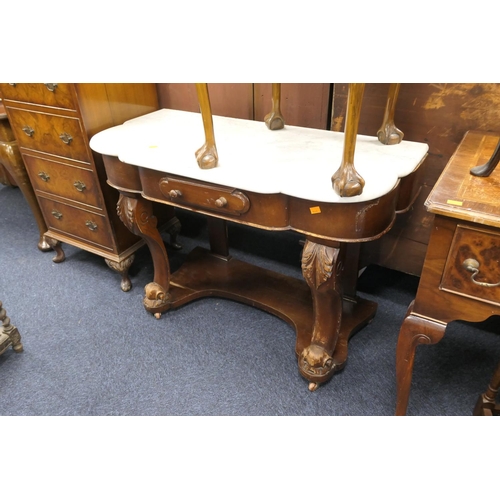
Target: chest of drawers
[{"x": 53, "y": 124}]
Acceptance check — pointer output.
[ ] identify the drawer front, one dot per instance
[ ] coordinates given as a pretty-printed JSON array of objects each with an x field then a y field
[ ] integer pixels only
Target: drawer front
[
  {"x": 64, "y": 180},
  {"x": 49, "y": 94},
  {"x": 214, "y": 198},
  {"x": 474, "y": 250},
  {"x": 53, "y": 134},
  {"x": 72, "y": 221}
]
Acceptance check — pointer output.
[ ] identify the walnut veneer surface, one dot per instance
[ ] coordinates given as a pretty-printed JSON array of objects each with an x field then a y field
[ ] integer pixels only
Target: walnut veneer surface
[
  {"x": 461, "y": 271},
  {"x": 52, "y": 124}
]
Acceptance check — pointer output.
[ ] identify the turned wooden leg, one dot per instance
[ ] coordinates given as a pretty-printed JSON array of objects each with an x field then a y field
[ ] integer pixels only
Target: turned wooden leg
[
  {"x": 274, "y": 120},
  {"x": 206, "y": 156},
  {"x": 388, "y": 132},
  {"x": 122, "y": 269},
  {"x": 414, "y": 331},
  {"x": 346, "y": 181},
  {"x": 10, "y": 331},
  {"x": 489, "y": 167},
  {"x": 486, "y": 404},
  {"x": 137, "y": 215},
  {"x": 321, "y": 268}
]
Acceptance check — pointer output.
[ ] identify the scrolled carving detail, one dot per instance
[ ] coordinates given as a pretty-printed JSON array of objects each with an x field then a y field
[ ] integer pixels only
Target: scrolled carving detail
[
  {"x": 155, "y": 296},
  {"x": 316, "y": 363},
  {"x": 317, "y": 263}
]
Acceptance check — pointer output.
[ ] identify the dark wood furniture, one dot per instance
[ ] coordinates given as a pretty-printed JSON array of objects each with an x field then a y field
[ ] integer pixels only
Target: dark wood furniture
[
  {"x": 486, "y": 405},
  {"x": 9, "y": 334},
  {"x": 52, "y": 124},
  {"x": 152, "y": 159},
  {"x": 15, "y": 174},
  {"x": 461, "y": 274}
]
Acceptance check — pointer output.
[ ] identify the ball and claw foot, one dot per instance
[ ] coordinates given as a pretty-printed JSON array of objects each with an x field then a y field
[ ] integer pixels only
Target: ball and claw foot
[
  {"x": 274, "y": 121},
  {"x": 347, "y": 182},
  {"x": 390, "y": 135},
  {"x": 207, "y": 157}
]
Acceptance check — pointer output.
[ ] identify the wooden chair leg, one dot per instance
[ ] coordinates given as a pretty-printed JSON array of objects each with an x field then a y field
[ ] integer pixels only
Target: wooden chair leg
[
  {"x": 486, "y": 403},
  {"x": 206, "y": 156},
  {"x": 274, "y": 120},
  {"x": 388, "y": 132},
  {"x": 346, "y": 181}
]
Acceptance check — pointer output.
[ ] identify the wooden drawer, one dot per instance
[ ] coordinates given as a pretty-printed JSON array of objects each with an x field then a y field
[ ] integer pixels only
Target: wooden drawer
[
  {"x": 214, "y": 198},
  {"x": 61, "y": 179},
  {"x": 483, "y": 247},
  {"x": 48, "y": 94},
  {"x": 79, "y": 223},
  {"x": 53, "y": 134}
]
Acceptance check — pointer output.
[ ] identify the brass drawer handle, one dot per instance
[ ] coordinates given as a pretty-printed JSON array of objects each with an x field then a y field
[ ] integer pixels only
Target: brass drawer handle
[
  {"x": 80, "y": 186},
  {"x": 175, "y": 193},
  {"x": 472, "y": 265},
  {"x": 51, "y": 86},
  {"x": 91, "y": 225},
  {"x": 28, "y": 131},
  {"x": 57, "y": 215},
  {"x": 44, "y": 176},
  {"x": 221, "y": 202},
  {"x": 66, "y": 138}
]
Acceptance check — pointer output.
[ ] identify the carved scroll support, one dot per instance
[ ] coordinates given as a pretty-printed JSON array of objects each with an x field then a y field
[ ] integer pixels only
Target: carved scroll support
[
  {"x": 122, "y": 269},
  {"x": 9, "y": 334},
  {"x": 322, "y": 268},
  {"x": 388, "y": 133},
  {"x": 414, "y": 331},
  {"x": 206, "y": 156},
  {"x": 346, "y": 181},
  {"x": 137, "y": 215},
  {"x": 274, "y": 120}
]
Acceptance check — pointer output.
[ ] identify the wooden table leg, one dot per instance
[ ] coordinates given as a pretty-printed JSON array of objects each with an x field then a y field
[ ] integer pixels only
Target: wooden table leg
[
  {"x": 274, "y": 120},
  {"x": 206, "y": 156},
  {"x": 137, "y": 215},
  {"x": 486, "y": 404},
  {"x": 321, "y": 268},
  {"x": 414, "y": 331},
  {"x": 388, "y": 132}
]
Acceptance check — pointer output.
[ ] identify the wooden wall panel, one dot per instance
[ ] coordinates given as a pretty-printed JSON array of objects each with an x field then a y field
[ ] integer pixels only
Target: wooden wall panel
[{"x": 436, "y": 113}]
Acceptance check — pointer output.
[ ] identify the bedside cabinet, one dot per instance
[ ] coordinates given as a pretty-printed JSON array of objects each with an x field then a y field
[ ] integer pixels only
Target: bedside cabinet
[
  {"x": 460, "y": 279},
  {"x": 53, "y": 123}
]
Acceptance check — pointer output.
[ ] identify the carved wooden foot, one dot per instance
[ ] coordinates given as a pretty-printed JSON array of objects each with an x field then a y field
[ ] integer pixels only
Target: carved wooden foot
[
  {"x": 56, "y": 246},
  {"x": 414, "y": 331},
  {"x": 346, "y": 181},
  {"x": 43, "y": 245},
  {"x": 137, "y": 215},
  {"x": 388, "y": 133},
  {"x": 206, "y": 156},
  {"x": 321, "y": 268},
  {"x": 274, "y": 120},
  {"x": 9, "y": 334},
  {"x": 122, "y": 268}
]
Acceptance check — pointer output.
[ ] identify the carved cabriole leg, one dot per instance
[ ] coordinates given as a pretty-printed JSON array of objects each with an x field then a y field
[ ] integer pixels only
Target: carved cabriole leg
[
  {"x": 137, "y": 215},
  {"x": 486, "y": 403},
  {"x": 56, "y": 246},
  {"x": 274, "y": 120},
  {"x": 206, "y": 156},
  {"x": 10, "y": 331},
  {"x": 414, "y": 331},
  {"x": 388, "y": 132},
  {"x": 346, "y": 181},
  {"x": 122, "y": 268},
  {"x": 321, "y": 268}
]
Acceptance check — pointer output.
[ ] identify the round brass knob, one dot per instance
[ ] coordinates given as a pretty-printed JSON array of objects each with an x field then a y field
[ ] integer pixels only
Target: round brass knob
[{"x": 221, "y": 202}]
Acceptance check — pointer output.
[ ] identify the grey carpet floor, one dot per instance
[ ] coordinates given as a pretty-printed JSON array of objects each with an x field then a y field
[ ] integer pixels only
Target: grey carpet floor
[{"x": 91, "y": 349}]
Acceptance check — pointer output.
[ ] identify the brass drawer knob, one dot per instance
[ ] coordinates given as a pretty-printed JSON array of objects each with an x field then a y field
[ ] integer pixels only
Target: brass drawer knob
[
  {"x": 57, "y": 215},
  {"x": 66, "y": 138},
  {"x": 28, "y": 131},
  {"x": 44, "y": 176},
  {"x": 472, "y": 265},
  {"x": 221, "y": 202},
  {"x": 175, "y": 193},
  {"x": 91, "y": 225},
  {"x": 51, "y": 86},
  {"x": 80, "y": 186}
]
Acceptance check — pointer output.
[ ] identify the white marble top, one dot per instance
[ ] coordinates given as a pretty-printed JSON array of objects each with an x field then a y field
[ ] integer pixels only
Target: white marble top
[{"x": 296, "y": 161}]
